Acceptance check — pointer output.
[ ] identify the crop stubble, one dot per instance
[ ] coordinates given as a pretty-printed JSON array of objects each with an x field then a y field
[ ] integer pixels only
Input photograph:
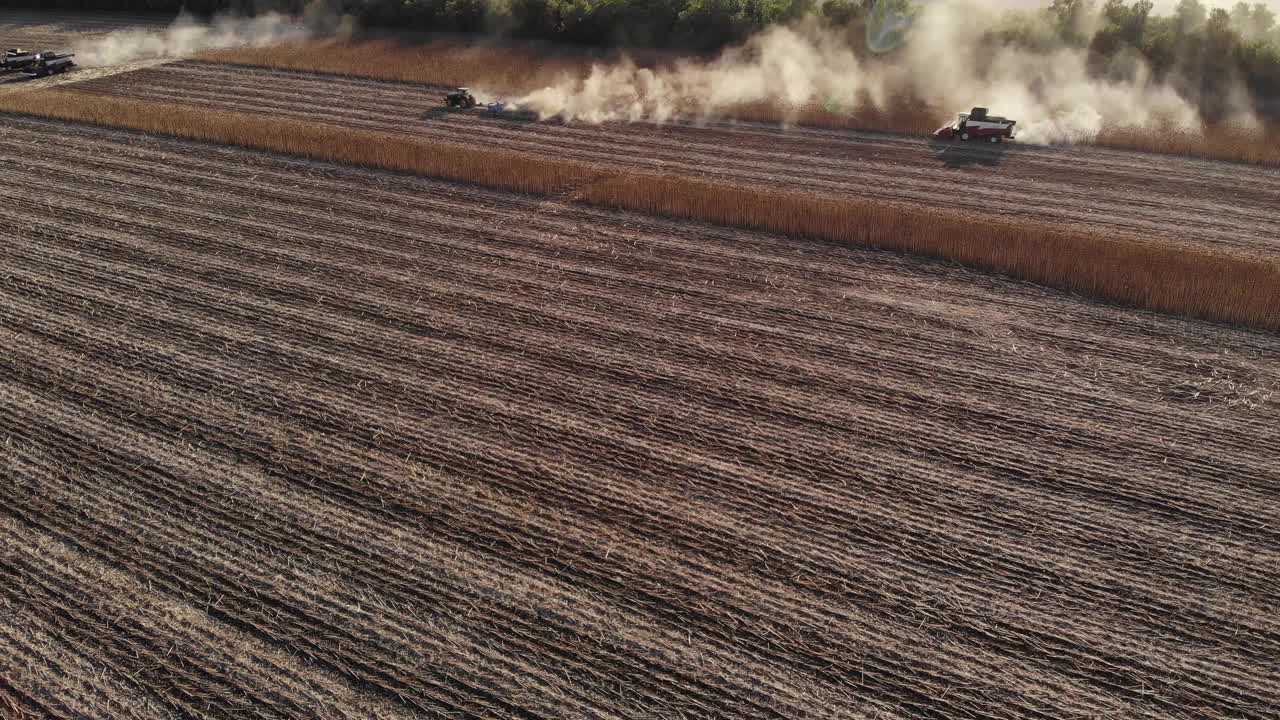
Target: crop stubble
[{"x": 284, "y": 438}]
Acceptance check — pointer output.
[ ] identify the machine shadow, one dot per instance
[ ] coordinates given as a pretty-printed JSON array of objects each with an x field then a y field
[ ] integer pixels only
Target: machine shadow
[
  {"x": 437, "y": 114},
  {"x": 954, "y": 154}
]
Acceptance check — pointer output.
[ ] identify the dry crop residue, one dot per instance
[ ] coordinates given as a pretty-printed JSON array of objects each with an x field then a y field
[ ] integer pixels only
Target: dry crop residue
[
  {"x": 1219, "y": 206},
  {"x": 282, "y": 438}
]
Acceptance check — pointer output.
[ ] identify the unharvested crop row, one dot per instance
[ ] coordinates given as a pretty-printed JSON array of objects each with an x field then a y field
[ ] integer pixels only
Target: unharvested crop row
[
  {"x": 508, "y": 70},
  {"x": 1147, "y": 275},
  {"x": 447, "y": 207},
  {"x": 1147, "y": 195}
]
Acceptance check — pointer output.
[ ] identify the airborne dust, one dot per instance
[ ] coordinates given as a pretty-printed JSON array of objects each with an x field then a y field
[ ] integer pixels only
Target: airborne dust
[
  {"x": 941, "y": 58},
  {"x": 187, "y": 36}
]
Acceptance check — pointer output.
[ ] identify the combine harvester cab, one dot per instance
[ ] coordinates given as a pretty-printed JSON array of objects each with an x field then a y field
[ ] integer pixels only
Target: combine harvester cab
[
  {"x": 977, "y": 125},
  {"x": 50, "y": 63}
]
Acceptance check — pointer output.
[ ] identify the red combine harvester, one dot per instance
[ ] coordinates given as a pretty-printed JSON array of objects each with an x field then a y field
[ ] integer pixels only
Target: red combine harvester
[{"x": 977, "y": 125}]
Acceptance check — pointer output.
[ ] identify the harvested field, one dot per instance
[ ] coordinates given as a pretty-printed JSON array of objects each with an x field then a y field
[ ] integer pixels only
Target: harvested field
[
  {"x": 1216, "y": 206},
  {"x": 281, "y": 438}
]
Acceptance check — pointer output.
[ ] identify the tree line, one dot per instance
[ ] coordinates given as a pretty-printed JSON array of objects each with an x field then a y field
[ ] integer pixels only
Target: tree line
[{"x": 1204, "y": 52}]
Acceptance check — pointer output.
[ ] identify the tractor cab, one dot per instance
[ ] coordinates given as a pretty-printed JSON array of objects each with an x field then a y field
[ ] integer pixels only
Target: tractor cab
[{"x": 461, "y": 97}]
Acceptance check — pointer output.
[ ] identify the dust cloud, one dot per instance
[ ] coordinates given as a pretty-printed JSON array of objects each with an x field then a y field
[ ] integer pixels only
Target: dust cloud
[
  {"x": 187, "y": 36},
  {"x": 944, "y": 60}
]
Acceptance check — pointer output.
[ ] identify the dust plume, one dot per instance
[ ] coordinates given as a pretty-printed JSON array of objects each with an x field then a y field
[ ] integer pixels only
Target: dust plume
[
  {"x": 187, "y": 36},
  {"x": 1053, "y": 95},
  {"x": 946, "y": 60},
  {"x": 795, "y": 65}
]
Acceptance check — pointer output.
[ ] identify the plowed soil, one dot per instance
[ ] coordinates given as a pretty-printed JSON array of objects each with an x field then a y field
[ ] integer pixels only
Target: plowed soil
[
  {"x": 285, "y": 439},
  {"x": 1220, "y": 206}
]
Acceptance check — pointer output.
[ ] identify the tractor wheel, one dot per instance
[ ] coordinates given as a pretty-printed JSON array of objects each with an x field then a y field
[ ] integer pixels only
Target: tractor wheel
[{"x": 964, "y": 136}]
